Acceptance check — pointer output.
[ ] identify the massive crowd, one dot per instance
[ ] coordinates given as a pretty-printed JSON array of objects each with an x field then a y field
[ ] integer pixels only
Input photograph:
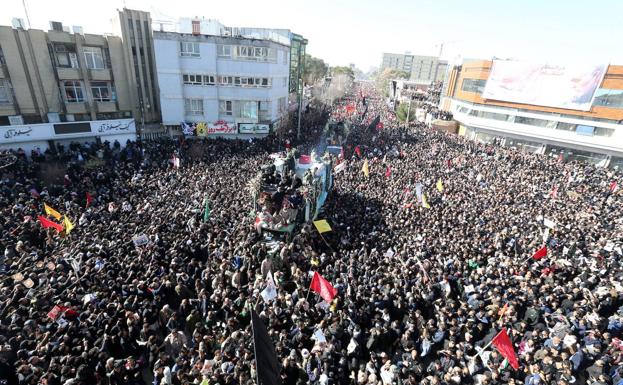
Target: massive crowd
[{"x": 420, "y": 290}]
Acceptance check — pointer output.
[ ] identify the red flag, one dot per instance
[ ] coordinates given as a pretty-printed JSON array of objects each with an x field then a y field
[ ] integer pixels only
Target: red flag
[
  {"x": 449, "y": 163},
  {"x": 89, "y": 199},
  {"x": 388, "y": 172},
  {"x": 358, "y": 151},
  {"x": 48, "y": 223},
  {"x": 560, "y": 157},
  {"x": 540, "y": 253},
  {"x": 350, "y": 108},
  {"x": 504, "y": 345},
  {"x": 305, "y": 159},
  {"x": 322, "y": 287},
  {"x": 614, "y": 186}
]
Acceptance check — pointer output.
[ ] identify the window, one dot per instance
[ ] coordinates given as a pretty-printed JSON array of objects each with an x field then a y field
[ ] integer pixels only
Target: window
[
  {"x": 265, "y": 110},
  {"x": 255, "y": 53},
  {"x": 602, "y": 131},
  {"x": 248, "y": 109},
  {"x": 225, "y": 80},
  {"x": 585, "y": 130},
  {"x": 608, "y": 98},
  {"x": 474, "y": 85},
  {"x": 193, "y": 106},
  {"x": 5, "y": 91},
  {"x": 2, "y": 61},
  {"x": 196, "y": 27},
  {"x": 101, "y": 91},
  {"x": 189, "y": 49},
  {"x": 196, "y": 80},
  {"x": 66, "y": 56},
  {"x": 208, "y": 80},
  {"x": 223, "y": 51},
  {"x": 93, "y": 57},
  {"x": 72, "y": 89},
  {"x": 532, "y": 121},
  {"x": 285, "y": 81},
  {"x": 225, "y": 108}
]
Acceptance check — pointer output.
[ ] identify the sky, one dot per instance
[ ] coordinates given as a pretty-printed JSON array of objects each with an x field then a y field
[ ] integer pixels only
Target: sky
[{"x": 359, "y": 31}]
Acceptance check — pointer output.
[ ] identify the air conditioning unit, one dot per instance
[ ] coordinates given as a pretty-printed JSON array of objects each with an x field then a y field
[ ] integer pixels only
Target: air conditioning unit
[
  {"x": 78, "y": 30},
  {"x": 18, "y": 23},
  {"x": 56, "y": 26},
  {"x": 16, "y": 120}
]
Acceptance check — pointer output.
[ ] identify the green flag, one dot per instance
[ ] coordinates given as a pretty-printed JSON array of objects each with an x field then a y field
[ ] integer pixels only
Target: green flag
[{"x": 206, "y": 213}]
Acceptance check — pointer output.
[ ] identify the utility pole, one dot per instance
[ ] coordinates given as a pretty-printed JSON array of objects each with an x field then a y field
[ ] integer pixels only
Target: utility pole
[{"x": 409, "y": 110}]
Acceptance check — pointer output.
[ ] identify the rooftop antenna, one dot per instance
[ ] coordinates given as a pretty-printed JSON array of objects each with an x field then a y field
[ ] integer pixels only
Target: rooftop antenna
[{"x": 26, "y": 12}]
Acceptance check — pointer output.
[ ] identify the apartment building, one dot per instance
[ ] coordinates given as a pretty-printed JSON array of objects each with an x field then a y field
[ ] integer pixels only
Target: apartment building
[
  {"x": 421, "y": 69},
  {"x": 224, "y": 82},
  {"x": 58, "y": 86}
]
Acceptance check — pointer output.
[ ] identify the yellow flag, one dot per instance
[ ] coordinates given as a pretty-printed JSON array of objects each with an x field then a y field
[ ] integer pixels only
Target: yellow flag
[
  {"x": 365, "y": 169},
  {"x": 322, "y": 226},
  {"x": 424, "y": 202},
  {"x": 439, "y": 185},
  {"x": 51, "y": 211},
  {"x": 68, "y": 225}
]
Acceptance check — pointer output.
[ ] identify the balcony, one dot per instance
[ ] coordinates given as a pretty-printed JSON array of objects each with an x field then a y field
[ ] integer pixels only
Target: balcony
[
  {"x": 68, "y": 73},
  {"x": 100, "y": 74},
  {"x": 76, "y": 108},
  {"x": 106, "y": 106}
]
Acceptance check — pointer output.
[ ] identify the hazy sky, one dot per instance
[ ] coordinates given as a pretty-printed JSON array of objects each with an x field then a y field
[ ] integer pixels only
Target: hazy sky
[{"x": 358, "y": 31}]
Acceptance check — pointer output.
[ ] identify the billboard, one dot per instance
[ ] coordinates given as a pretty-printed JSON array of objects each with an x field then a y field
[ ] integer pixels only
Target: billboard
[{"x": 570, "y": 87}]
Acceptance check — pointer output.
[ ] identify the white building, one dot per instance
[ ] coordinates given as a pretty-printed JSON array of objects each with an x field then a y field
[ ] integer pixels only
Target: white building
[{"x": 224, "y": 84}]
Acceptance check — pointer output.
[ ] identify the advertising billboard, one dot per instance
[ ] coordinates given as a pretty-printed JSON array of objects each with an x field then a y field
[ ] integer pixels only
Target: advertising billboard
[{"x": 562, "y": 86}]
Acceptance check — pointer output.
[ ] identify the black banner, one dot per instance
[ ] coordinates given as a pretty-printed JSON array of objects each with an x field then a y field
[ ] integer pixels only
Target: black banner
[{"x": 267, "y": 366}]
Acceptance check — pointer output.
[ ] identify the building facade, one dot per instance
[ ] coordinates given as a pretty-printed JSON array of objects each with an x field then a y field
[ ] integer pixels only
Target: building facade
[
  {"x": 135, "y": 29},
  {"x": 421, "y": 69},
  {"x": 594, "y": 134},
  {"x": 223, "y": 84},
  {"x": 62, "y": 80}
]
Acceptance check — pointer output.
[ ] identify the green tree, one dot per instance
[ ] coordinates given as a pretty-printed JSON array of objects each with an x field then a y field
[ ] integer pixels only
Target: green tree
[
  {"x": 383, "y": 78},
  {"x": 343, "y": 71},
  {"x": 403, "y": 108},
  {"x": 315, "y": 69}
]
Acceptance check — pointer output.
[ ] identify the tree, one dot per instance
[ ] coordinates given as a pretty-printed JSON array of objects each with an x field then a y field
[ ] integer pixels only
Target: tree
[
  {"x": 403, "y": 108},
  {"x": 335, "y": 71},
  {"x": 383, "y": 78},
  {"x": 315, "y": 69}
]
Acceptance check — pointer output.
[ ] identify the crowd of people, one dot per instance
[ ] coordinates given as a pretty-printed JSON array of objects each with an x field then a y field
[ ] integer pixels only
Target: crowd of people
[{"x": 430, "y": 254}]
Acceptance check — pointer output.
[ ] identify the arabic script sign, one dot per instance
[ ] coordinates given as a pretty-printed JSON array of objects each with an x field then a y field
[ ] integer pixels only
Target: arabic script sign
[
  {"x": 17, "y": 132},
  {"x": 112, "y": 126},
  {"x": 222, "y": 127},
  {"x": 252, "y": 128}
]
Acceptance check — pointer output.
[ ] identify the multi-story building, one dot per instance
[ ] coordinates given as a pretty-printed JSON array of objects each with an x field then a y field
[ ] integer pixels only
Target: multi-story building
[
  {"x": 569, "y": 111},
  {"x": 422, "y": 70},
  {"x": 60, "y": 86},
  {"x": 223, "y": 80},
  {"x": 135, "y": 29}
]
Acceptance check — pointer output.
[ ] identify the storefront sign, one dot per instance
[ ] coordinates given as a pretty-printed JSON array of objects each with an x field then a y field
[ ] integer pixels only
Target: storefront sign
[
  {"x": 222, "y": 127},
  {"x": 66, "y": 130},
  {"x": 252, "y": 128}
]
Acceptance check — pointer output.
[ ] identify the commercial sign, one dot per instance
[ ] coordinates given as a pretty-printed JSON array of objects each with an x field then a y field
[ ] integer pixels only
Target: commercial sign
[
  {"x": 52, "y": 131},
  {"x": 570, "y": 87},
  {"x": 252, "y": 128},
  {"x": 216, "y": 128}
]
